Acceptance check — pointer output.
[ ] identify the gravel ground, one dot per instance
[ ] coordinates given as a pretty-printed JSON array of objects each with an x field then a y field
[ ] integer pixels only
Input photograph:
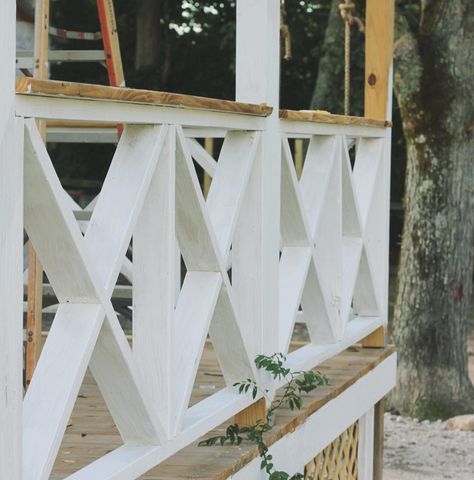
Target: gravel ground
[
  {"x": 421, "y": 450},
  {"x": 416, "y": 450}
]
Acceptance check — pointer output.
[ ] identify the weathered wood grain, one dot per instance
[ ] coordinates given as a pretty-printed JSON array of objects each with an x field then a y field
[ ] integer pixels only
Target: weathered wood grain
[{"x": 30, "y": 86}]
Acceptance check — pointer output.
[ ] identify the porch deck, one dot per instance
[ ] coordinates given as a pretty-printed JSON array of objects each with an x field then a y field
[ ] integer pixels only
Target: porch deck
[{"x": 91, "y": 432}]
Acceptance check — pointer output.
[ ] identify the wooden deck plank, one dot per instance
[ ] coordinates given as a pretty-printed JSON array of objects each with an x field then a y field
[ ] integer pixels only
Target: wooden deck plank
[
  {"x": 91, "y": 432},
  {"x": 29, "y": 86}
]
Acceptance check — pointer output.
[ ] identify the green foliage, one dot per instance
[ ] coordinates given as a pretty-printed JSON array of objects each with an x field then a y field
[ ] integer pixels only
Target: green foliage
[{"x": 297, "y": 383}]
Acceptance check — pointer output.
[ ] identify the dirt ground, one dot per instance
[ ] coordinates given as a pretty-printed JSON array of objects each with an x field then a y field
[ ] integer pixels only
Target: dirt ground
[{"x": 422, "y": 450}]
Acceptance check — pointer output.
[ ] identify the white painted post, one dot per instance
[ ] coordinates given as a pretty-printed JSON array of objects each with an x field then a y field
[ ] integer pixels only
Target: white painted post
[
  {"x": 365, "y": 453},
  {"x": 11, "y": 253},
  {"x": 256, "y": 244}
]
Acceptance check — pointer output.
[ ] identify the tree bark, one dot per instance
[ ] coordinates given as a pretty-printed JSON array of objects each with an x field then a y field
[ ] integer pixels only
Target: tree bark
[
  {"x": 153, "y": 40},
  {"x": 329, "y": 89},
  {"x": 434, "y": 72}
]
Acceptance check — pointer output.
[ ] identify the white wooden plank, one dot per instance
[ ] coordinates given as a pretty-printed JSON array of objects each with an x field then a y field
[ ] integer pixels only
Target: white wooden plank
[
  {"x": 11, "y": 260},
  {"x": 228, "y": 341},
  {"x": 365, "y": 297},
  {"x": 193, "y": 316},
  {"x": 55, "y": 385},
  {"x": 202, "y": 157},
  {"x": 118, "y": 379},
  {"x": 295, "y": 230},
  {"x": 229, "y": 184},
  {"x": 351, "y": 258},
  {"x": 193, "y": 228},
  {"x": 154, "y": 251},
  {"x": 351, "y": 220},
  {"x": 51, "y": 225},
  {"x": 366, "y": 168},
  {"x": 294, "y": 264},
  {"x": 121, "y": 199},
  {"x": 58, "y": 108},
  {"x": 365, "y": 449},
  {"x": 295, "y": 449},
  {"x": 320, "y": 315},
  {"x": 257, "y": 244},
  {"x": 315, "y": 177}
]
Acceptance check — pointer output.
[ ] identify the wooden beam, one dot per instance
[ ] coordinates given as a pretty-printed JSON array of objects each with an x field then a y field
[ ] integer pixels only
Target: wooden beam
[
  {"x": 376, "y": 339},
  {"x": 326, "y": 117},
  {"x": 379, "y": 31},
  {"x": 379, "y": 411},
  {"x": 250, "y": 416},
  {"x": 31, "y": 86}
]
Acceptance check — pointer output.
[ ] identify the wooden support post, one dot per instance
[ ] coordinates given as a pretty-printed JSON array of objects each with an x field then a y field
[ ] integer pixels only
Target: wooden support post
[
  {"x": 379, "y": 411},
  {"x": 379, "y": 34},
  {"x": 255, "y": 257},
  {"x": 11, "y": 254},
  {"x": 209, "y": 146},
  {"x": 35, "y": 269},
  {"x": 298, "y": 157}
]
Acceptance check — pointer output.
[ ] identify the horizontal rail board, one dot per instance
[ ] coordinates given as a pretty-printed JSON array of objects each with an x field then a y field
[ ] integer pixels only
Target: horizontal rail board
[
  {"x": 31, "y": 86},
  {"x": 58, "y": 107},
  {"x": 326, "y": 117}
]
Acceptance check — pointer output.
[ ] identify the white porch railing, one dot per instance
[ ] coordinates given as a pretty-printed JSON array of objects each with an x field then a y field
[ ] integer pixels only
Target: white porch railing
[{"x": 261, "y": 246}]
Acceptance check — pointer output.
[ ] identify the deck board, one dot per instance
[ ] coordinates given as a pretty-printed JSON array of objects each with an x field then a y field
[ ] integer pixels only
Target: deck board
[{"x": 91, "y": 432}]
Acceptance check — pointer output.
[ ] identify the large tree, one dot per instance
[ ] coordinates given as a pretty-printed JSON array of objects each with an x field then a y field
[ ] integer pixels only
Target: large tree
[{"x": 434, "y": 84}]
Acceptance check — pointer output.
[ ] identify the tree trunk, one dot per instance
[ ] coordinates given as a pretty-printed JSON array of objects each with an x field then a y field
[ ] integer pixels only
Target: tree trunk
[
  {"x": 329, "y": 89},
  {"x": 434, "y": 73},
  {"x": 153, "y": 40}
]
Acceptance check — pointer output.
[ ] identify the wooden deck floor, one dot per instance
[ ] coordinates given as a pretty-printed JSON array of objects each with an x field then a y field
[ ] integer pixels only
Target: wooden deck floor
[{"x": 91, "y": 432}]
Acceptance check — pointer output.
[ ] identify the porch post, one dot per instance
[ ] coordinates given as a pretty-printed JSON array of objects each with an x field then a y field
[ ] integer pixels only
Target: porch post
[
  {"x": 256, "y": 255},
  {"x": 11, "y": 253}
]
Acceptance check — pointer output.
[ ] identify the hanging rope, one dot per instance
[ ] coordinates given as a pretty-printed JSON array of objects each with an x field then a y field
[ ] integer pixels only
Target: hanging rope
[
  {"x": 285, "y": 31},
  {"x": 347, "y": 9}
]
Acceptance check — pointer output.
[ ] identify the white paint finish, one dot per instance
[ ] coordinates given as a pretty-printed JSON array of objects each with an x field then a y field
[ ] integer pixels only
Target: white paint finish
[
  {"x": 51, "y": 225},
  {"x": 294, "y": 264},
  {"x": 296, "y": 449},
  {"x": 351, "y": 257},
  {"x": 58, "y": 108},
  {"x": 55, "y": 385},
  {"x": 202, "y": 157},
  {"x": 196, "y": 239},
  {"x": 295, "y": 230},
  {"x": 194, "y": 311},
  {"x": 365, "y": 451},
  {"x": 11, "y": 260},
  {"x": 127, "y": 181},
  {"x": 154, "y": 265},
  {"x": 229, "y": 185},
  {"x": 82, "y": 135},
  {"x": 257, "y": 240},
  {"x": 301, "y": 129},
  {"x": 228, "y": 341}
]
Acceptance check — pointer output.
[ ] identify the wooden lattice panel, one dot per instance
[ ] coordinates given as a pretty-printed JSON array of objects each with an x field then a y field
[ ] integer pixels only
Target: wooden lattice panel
[{"x": 338, "y": 461}]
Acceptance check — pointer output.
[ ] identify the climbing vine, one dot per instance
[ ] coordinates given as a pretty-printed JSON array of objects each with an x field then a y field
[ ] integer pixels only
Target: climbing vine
[{"x": 297, "y": 383}]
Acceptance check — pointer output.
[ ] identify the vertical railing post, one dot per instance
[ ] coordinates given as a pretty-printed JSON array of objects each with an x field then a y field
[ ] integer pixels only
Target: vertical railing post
[
  {"x": 256, "y": 244},
  {"x": 379, "y": 37},
  {"x": 11, "y": 253}
]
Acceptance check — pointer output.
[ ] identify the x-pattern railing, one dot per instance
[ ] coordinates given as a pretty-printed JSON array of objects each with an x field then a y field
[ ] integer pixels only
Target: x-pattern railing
[{"x": 330, "y": 246}]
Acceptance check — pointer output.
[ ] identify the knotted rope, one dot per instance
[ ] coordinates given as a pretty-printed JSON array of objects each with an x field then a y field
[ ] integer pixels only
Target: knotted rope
[
  {"x": 285, "y": 31},
  {"x": 347, "y": 9}
]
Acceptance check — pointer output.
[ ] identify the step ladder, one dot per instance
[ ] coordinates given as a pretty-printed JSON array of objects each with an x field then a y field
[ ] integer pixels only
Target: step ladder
[{"x": 41, "y": 54}]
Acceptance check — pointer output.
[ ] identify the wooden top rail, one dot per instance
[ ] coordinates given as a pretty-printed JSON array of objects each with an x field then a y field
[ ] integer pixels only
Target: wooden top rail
[
  {"x": 326, "y": 117},
  {"x": 30, "y": 86}
]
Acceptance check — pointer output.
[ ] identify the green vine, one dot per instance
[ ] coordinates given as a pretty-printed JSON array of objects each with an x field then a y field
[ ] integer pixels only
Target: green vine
[{"x": 297, "y": 382}]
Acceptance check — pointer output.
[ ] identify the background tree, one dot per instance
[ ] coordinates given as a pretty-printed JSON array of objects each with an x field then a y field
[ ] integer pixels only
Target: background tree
[{"x": 434, "y": 81}]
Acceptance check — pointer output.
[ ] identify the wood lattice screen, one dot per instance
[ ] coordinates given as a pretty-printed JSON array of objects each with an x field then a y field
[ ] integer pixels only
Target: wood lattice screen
[{"x": 338, "y": 461}]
